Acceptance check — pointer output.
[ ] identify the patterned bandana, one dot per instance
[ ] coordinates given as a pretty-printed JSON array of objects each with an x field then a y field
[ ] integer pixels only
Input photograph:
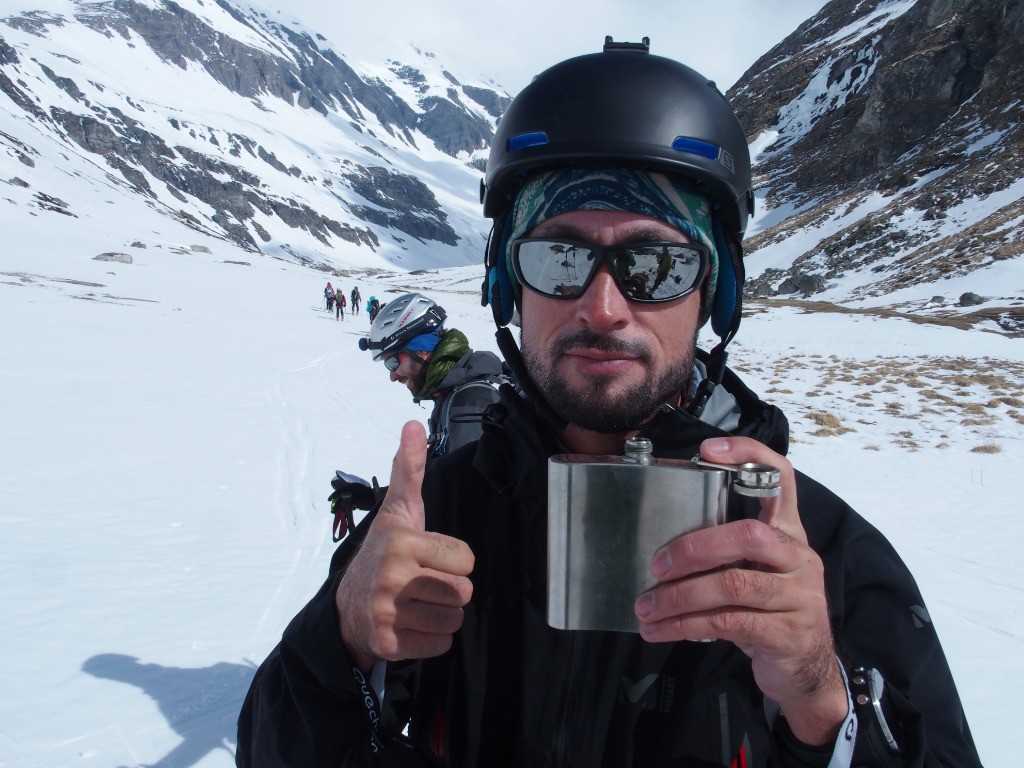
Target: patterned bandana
[{"x": 668, "y": 198}]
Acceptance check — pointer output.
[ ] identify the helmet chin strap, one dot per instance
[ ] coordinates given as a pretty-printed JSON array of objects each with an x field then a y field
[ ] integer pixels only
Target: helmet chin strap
[
  {"x": 491, "y": 294},
  {"x": 716, "y": 369},
  {"x": 524, "y": 382},
  {"x": 730, "y": 255}
]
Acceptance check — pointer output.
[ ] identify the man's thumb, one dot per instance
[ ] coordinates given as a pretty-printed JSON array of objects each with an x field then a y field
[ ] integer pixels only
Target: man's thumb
[{"x": 405, "y": 496}]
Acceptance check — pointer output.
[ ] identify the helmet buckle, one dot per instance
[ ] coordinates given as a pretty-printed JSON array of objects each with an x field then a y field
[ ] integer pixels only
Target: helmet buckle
[{"x": 642, "y": 47}]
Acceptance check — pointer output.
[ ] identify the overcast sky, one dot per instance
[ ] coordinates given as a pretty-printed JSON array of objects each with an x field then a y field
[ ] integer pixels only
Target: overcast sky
[{"x": 511, "y": 42}]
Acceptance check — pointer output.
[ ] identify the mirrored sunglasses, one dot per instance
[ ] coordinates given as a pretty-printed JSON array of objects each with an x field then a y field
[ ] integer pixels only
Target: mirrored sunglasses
[
  {"x": 392, "y": 363},
  {"x": 645, "y": 272}
]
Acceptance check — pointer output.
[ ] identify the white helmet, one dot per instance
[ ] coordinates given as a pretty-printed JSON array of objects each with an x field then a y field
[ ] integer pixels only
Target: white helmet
[{"x": 400, "y": 321}]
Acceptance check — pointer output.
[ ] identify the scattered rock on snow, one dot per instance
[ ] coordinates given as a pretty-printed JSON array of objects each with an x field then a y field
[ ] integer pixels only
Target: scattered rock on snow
[
  {"x": 971, "y": 299},
  {"x": 122, "y": 258}
]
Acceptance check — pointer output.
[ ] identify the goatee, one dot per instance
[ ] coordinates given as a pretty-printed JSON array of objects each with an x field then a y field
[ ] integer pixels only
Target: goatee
[{"x": 593, "y": 407}]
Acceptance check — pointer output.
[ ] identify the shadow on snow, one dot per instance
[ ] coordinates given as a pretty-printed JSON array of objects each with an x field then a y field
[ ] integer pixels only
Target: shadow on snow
[{"x": 201, "y": 704}]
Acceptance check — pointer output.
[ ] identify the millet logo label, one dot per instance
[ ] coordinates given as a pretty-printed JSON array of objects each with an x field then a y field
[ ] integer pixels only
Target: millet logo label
[
  {"x": 635, "y": 691},
  {"x": 650, "y": 692}
]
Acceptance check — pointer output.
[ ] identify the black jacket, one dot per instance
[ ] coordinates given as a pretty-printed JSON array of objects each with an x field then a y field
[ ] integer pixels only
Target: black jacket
[{"x": 514, "y": 692}]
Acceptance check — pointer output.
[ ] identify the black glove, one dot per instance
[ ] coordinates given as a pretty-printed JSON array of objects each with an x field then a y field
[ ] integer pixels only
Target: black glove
[{"x": 351, "y": 493}]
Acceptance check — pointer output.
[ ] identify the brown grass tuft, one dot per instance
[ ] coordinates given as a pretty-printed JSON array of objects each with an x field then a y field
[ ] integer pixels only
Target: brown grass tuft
[
  {"x": 986, "y": 448},
  {"x": 825, "y": 419}
]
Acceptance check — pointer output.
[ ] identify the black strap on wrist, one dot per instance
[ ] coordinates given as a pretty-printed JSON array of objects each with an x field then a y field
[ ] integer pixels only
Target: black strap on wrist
[{"x": 372, "y": 708}]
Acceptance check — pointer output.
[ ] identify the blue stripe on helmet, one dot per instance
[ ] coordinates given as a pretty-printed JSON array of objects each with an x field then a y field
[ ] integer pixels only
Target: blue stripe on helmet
[
  {"x": 524, "y": 140},
  {"x": 696, "y": 147}
]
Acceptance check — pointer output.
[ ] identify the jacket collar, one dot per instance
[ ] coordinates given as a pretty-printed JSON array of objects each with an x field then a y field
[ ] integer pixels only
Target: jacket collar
[{"x": 517, "y": 440}]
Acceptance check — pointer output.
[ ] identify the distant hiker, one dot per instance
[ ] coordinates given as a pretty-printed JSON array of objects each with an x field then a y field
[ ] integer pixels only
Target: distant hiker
[
  {"x": 437, "y": 365},
  {"x": 329, "y": 297},
  {"x": 339, "y": 303},
  {"x": 372, "y": 308},
  {"x": 356, "y": 298}
]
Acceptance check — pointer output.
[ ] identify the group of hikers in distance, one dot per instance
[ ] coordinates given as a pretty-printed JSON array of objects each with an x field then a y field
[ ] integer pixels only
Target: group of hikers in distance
[
  {"x": 336, "y": 301},
  {"x": 791, "y": 635}
]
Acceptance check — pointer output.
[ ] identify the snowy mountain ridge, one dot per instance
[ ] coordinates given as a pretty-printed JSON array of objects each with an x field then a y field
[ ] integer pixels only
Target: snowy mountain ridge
[
  {"x": 886, "y": 136},
  {"x": 890, "y": 160},
  {"x": 240, "y": 128}
]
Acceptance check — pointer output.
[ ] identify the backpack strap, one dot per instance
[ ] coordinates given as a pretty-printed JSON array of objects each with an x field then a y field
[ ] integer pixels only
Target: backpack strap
[{"x": 437, "y": 441}]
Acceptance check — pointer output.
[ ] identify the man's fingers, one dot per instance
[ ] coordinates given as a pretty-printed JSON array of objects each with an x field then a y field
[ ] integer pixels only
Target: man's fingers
[
  {"x": 436, "y": 587},
  {"x": 405, "y": 496},
  {"x": 780, "y": 511},
  {"x": 723, "y": 545},
  {"x": 733, "y": 588},
  {"x": 429, "y": 619}
]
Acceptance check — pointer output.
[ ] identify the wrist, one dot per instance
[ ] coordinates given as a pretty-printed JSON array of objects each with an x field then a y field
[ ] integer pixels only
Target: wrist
[
  {"x": 815, "y": 718},
  {"x": 361, "y": 659},
  {"x": 358, "y": 653}
]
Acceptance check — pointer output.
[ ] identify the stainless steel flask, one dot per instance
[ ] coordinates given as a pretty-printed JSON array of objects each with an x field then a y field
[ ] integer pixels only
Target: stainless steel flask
[{"x": 608, "y": 515}]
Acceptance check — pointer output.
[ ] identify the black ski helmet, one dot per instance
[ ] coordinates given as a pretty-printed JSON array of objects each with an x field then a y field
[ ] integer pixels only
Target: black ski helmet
[{"x": 624, "y": 108}]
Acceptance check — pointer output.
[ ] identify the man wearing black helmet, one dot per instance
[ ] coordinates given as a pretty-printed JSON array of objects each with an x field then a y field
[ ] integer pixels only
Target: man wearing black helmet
[{"x": 619, "y": 188}]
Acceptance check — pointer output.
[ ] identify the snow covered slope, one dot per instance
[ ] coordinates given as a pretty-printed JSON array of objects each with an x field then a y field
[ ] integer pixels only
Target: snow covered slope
[
  {"x": 236, "y": 127},
  {"x": 170, "y": 427}
]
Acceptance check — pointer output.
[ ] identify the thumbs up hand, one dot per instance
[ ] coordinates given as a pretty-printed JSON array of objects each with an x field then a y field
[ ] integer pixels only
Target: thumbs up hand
[{"x": 402, "y": 594}]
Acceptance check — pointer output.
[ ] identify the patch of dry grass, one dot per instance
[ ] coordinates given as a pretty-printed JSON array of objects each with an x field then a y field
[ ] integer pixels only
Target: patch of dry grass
[
  {"x": 961, "y": 395},
  {"x": 972, "y": 408},
  {"x": 974, "y": 422},
  {"x": 825, "y": 419},
  {"x": 987, "y": 448},
  {"x": 931, "y": 394}
]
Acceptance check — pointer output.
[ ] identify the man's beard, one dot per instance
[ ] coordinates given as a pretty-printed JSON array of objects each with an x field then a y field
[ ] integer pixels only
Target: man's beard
[{"x": 592, "y": 407}]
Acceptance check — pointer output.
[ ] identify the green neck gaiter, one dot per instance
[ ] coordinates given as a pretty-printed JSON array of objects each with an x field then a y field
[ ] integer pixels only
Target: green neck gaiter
[{"x": 452, "y": 347}]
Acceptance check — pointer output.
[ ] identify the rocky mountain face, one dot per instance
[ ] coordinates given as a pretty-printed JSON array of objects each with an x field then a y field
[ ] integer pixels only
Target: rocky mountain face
[
  {"x": 890, "y": 157},
  {"x": 887, "y": 137},
  {"x": 245, "y": 128}
]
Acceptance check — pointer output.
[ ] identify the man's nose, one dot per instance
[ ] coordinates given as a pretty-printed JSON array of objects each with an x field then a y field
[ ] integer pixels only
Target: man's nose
[
  {"x": 602, "y": 306},
  {"x": 393, "y": 375}
]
